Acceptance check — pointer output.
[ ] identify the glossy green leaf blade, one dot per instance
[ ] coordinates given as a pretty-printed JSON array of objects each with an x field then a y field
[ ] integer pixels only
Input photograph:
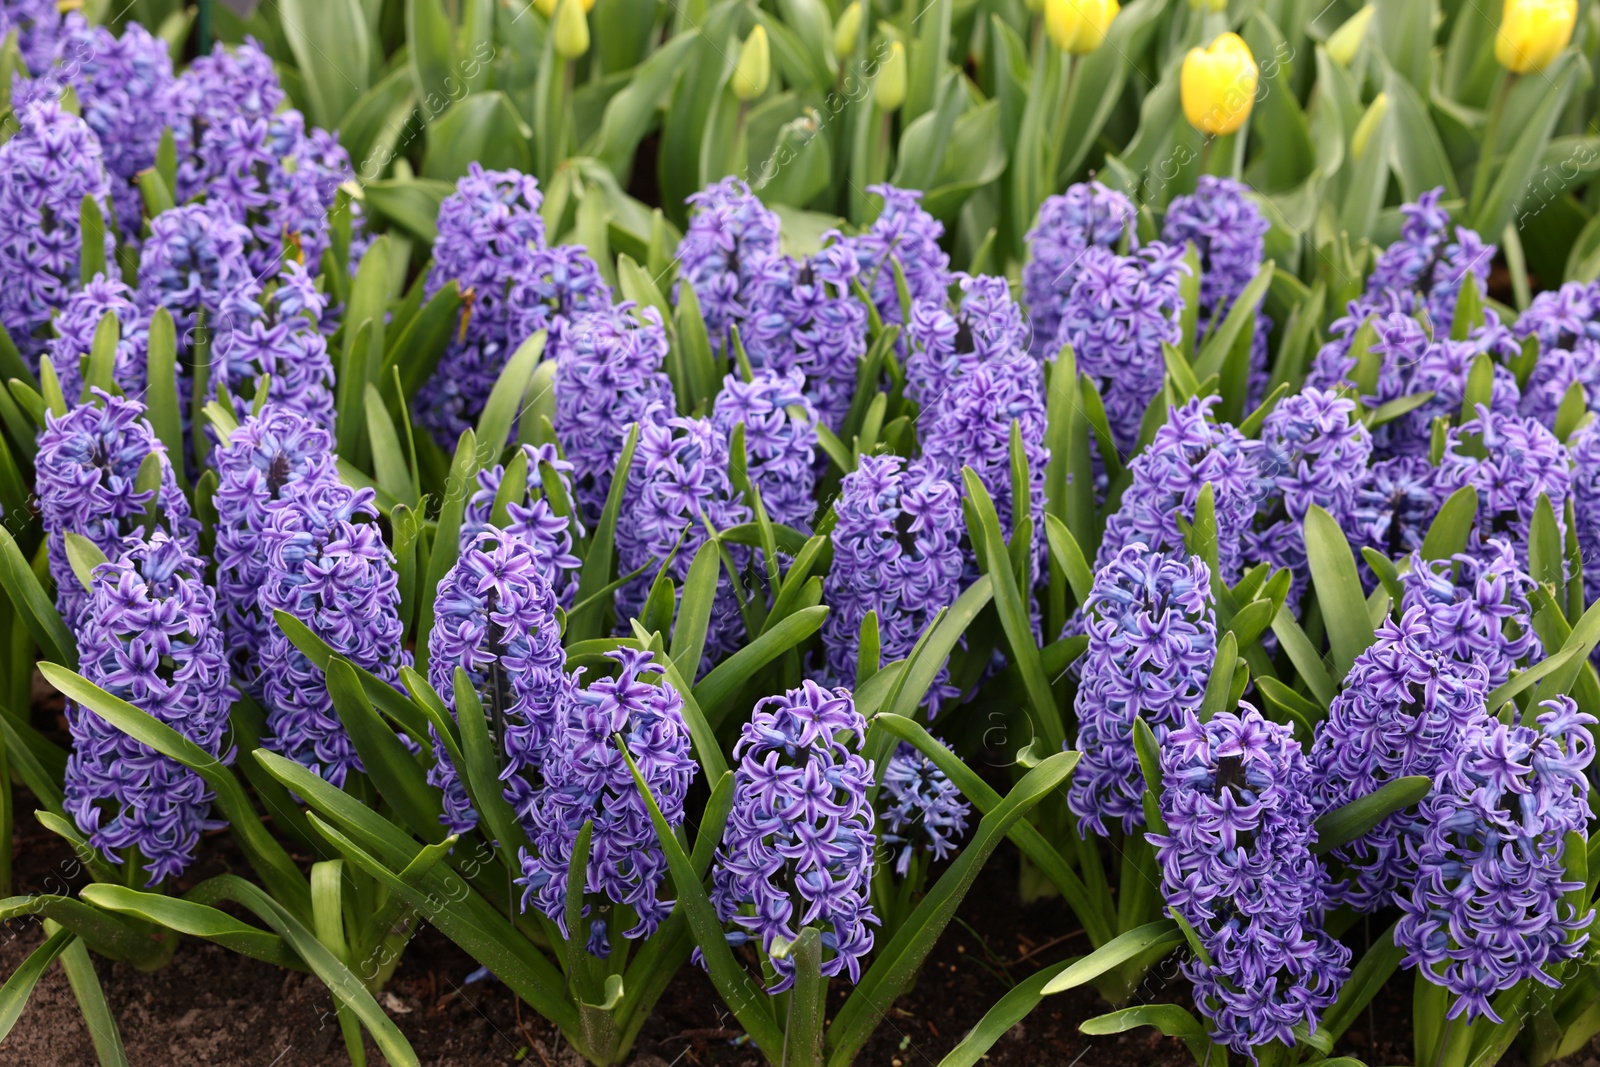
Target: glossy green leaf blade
[
  {"x": 19, "y": 987},
  {"x": 1349, "y": 821},
  {"x": 196, "y": 920},
  {"x": 1339, "y": 592},
  {"x": 1163, "y": 933}
]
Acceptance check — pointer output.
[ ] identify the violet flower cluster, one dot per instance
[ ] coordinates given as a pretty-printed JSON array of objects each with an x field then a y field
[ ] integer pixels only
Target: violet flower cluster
[
  {"x": 328, "y": 567},
  {"x": 588, "y": 780},
  {"x": 495, "y": 618},
  {"x": 37, "y": 23},
  {"x": 194, "y": 265},
  {"x": 1476, "y": 608},
  {"x": 1152, "y": 644},
  {"x": 1566, "y": 322},
  {"x": 1424, "y": 270},
  {"x": 1584, "y": 448},
  {"x": 903, "y": 234},
  {"x": 780, "y": 440},
  {"x": 150, "y": 636},
  {"x": 922, "y": 809},
  {"x": 798, "y": 848},
  {"x": 87, "y": 475},
  {"x": 731, "y": 234},
  {"x": 266, "y": 459},
  {"x": 678, "y": 486},
  {"x": 1511, "y": 460},
  {"x": 1187, "y": 453},
  {"x": 47, "y": 167},
  {"x": 284, "y": 343},
  {"x": 1395, "y": 504},
  {"x": 531, "y": 517},
  {"x": 75, "y": 331},
  {"x": 1487, "y": 909},
  {"x": 804, "y": 315},
  {"x": 1086, "y": 215},
  {"x": 948, "y": 343},
  {"x": 609, "y": 378},
  {"x": 1236, "y": 863},
  {"x": 896, "y": 551},
  {"x": 1404, "y": 708},
  {"x": 1117, "y": 314}
]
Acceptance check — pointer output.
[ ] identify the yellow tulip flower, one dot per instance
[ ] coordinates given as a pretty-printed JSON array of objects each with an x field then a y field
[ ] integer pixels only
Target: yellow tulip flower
[
  {"x": 1533, "y": 32},
  {"x": 1219, "y": 85},
  {"x": 754, "y": 69},
  {"x": 847, "y": 29},
  {"x": 547, "y": 8},
  {"x": 571, "y": 29},
  {"x": 889, "y": 90},
  {"x": 1078, "y": 27}
]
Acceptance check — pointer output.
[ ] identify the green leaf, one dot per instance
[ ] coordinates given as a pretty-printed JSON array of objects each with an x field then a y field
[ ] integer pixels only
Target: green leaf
[
  {"x": 430, "y": 53},
  {"x": 92, "y": 1004},
  {"x": 1366, "y": 979},
  {"x": 897, "y": 963},
  {"x": 718, "y": 688},
  {"x": 1240, "y": 314},
  {"x": 388, "y": 763},
  {"x": 411, "y": 204},
  {"x": 505, "y": 399},
  {"x": 1219, "y": 687},
  {"x": 19, "y": 987},
  {"x": 84, "y": 556},
  {"x": 1163, "y": 933},
  {"x": 264, "y": 853},
  {"x": 92, "y": 223},
  {"x": 596, "y": 573},
  {"x": 1170, "y": 1019},
  {"x": 332, "y": 52},
  {"x": 1350, "y": 821},
  {"x": 481, "y": 127},
  {"x": 388, "y": 458},
  {"x": 932, "y": 652},
  {"x": 417, "y": 349},
  {"x": 1304, "y": 655},
  {"x": 447, "y": 534},
  {"x": 694, "y": 609},
  {"x": 184, "y": 915},
  {"x": 1447, "y": 537},
  {"x": 1339, "y": 593},
  {"x": 34, "y": 607},
  {"x": 481, "y": 774}
]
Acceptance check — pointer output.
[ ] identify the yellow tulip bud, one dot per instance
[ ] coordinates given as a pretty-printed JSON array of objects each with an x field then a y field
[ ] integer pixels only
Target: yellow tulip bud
[
  {"x": 571, "y": 29},
  {"x": 547, "y": 8},
  {"x": 1344, "y": 42},
  {"x": 1214, "y": 6},
  {"x": 1368, "y": 125},
  {"x": 889, "y": 90},
  {"x": 1219, "y": 85},
  {"x": 754, "y": 69},
  {"x": 1533, "y": 32},
  {"x": 847, "y": 29},
  {"x": 1078, "y": 27}
]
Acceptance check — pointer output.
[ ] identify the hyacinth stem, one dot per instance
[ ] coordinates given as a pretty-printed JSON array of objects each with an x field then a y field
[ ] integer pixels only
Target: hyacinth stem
[
  {"x": 1491, "y": 133},
  {"x": 808, "y": 1001}
]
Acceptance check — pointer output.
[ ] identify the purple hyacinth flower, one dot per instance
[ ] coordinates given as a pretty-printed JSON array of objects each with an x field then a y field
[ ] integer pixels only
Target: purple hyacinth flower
[
  {"x": 1476, "y": 609},
  {"x": 1187, "y": 453},
  {"x": 489, "y": 230},
  {"x": 1403, "y": 710},
  {"x": 798, "y": 848},
  {"x": 731, "y": 234},
  {"x": 75, "y": 330},
  {"x": 1584, "y": 447},
  {"x": 328, "y": 567},
  {"x": 896, "y": 551},
  {"x": 945, "y": 343},
  {"x": 1086, "y": 215},
  {"x": 677, "y": 486},
  {"x": 88, "y": 480},
  {"x": 1236, "y": 863},
  {"x": 1488, "y": 908},
  {"x": 587, "y": 780},
  {"x": 804, "y": 314},
  {"x": 263, "y": 460},
  {"x": 562, "y": 288},
  {"x": 285, "y": 343},
  {"x": 495, "y": 618},
  {"x": 780, "y": 440},
  {"x": 1118, "y": 313},
  {"x": 1566, "y": 322},
  {"x": 1394, "y": 505},
  {"x": 1152, "y": 643},
  {"x": 608, "y": 379},
  {"x": 1423, "y": 271},
  {"x": 216, "y": 89},
  {"x": 531, "y": 517},
  {"x": 47, "y": 167},
  {"x": 1314, "y": 452},
  {"x": 193, "y": 264},
  {"x": 904, "y": 234},
  {"x": 922, "y": 809},
  {"x": 1510, "y": 460},
  {"x": 37, "y": 24},
  {"x": 150, "y": 636}
]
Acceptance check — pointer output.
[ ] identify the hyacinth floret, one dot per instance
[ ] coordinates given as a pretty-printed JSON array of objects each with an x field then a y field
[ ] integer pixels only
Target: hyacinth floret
[
  {"x": 75, "y": 330},
  {"x": 1086, "y": 215},
  {"x": 780, "y": 440},
  {"x": 677, "y": 486},
  {"x": 947, "y": 343},
  {"x": 47, "y": 167},
  {"x": 495, "y": 618},
  {"x": 1236, "y": 863},
  {"x": 285, "y": 344},
  {"x": 902, "y": 233},
  {"x": 608, "y": 379},
  {"x": 1489, "y": 907},
  {"x": 1394, "y": 505},
  {"x": 1476, "y": 607},
  {"x": 1566, "y": 322},
  {"x": 1423, "y": 271},
  {"x": 562, "y": 286},
  {"x": 212, "y": 92},
  {"x": 87, "y": 478},
  {"x": 1404, "y": 708},
  {"x": 1510, "y": 460},
  {"x": 730, "y": 235},
  {"x": 1117, "y": 314},
  {"x": 1187, "y": 453},
  {"x": 328, "y": 567},
  {"x": 150, "y": 636},
  {"x": 193, "y": 264},
  {"x": 922, "y": 809},
  {"x": 532, "y": 517},
  {"x": 1584, "y": 447},
  {"x": 37, "y": 23},
  {"x": 263, "y": 461},
  {"x": 804, "y": 314},
  {"x": 489, "y": 230},
  {"x": 798, "y": 848},
  {"x": 1314, "y": 452},
  {"x": 587, "y": 780},
  {"x": 896, "y": 551},
  {"x": 1152, "y": 644}
]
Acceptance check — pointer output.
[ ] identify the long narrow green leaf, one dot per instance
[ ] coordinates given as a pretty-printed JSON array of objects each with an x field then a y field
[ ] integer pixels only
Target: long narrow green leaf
[
  {"x": 1163, "y": 933},
  {"x": 390, "y": 766},
  {"x": 185, "y": 916},
  {"x": 929, "y": 658},
  {"x": 1347, "y": 822},
  {"x": 19, "y": 987},
  {"x": 718, "y": 688},
  {"x": 1339, "y": 592},
  {"x": 34, "y": 607},
  {"x": 92, "y": 1004}
]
